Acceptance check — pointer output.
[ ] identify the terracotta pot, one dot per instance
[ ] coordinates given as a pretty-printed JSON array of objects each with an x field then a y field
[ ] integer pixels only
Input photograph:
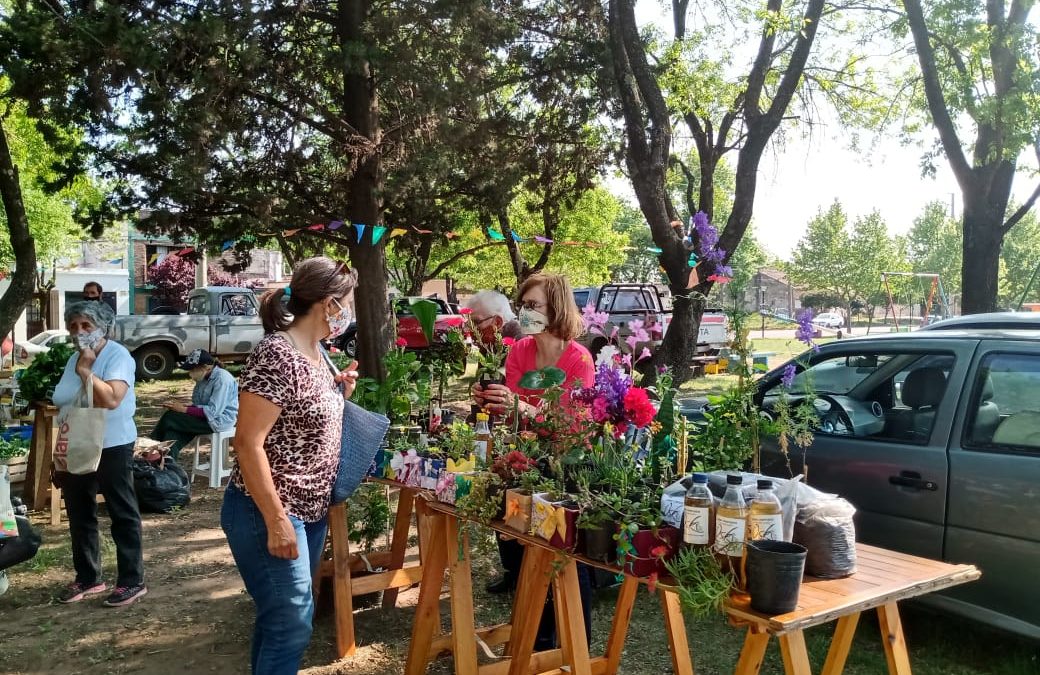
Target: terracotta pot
[
  {"x": 646, "y": 542},
  {"x": 518, "y": 510}
]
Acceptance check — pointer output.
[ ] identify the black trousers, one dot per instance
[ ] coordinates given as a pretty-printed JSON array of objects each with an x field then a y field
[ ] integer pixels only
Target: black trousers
[
  {"x": 114, "y": 479},
  {"x": 511, "y": 553},
  {"x": 181, "y": 428}
]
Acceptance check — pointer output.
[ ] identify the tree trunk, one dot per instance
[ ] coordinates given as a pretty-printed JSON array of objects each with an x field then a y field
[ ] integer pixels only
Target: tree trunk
[
  {"x": 418, "y": 267},
  {"x": 365, "y": 204},
  {"x": 980, "y": 264},
  {"x": 18, "y": 294}
]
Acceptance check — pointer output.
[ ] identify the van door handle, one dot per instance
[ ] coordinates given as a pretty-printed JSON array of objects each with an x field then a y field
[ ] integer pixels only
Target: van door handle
[{"x": 912, "y": 479}]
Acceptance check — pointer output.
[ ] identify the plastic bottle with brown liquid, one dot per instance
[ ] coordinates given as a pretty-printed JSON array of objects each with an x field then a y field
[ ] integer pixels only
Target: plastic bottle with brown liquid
[
  {"x": 765, "y": 519},
  {"x": 483, "y": 441},
  {"x": 699, "y": 514},
  {"x": 730, "y": 528}
]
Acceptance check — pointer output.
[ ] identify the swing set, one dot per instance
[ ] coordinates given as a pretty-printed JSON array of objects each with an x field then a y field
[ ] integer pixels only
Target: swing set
[{"x": 936, "y": 295}]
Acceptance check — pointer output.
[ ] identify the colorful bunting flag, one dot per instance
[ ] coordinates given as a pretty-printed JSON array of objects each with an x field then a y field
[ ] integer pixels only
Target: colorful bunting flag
[
  {"x": 516, "y": 237},
  {"x": 230, "y": 243},
  {"x": 377, "y": 233},
  {"x": 335, "y": 225},
  {"x": 317, "y": 226},
  {"x": 360, "y": 227},
  {"x": 289, "y": 233},
  {"x": 653, "y": 249},
  {"x": 154, "y": 258},
  {"x": 692, "y": 262},
  {"x": 116, "y": 261},
  {"x": 422, "y": 231},
  {"x": 397, "y": 232},
  {"x": 450, "y": 235},
  {"x": 495, "y": 234},
  {"x": 543, "y": 240}
]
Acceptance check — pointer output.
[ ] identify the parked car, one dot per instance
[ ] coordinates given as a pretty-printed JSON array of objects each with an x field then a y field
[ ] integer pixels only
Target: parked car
[
  {"x": 1001, "y": 320},
  {"x": 408, "y": 326},
  {"x": 223, "y": 320},
  {"x": 26, "y": 351},
  {"x": 831, "y": 320},
  {"x": 651, "y": 304},
  {"x": 934, "y": 436}
]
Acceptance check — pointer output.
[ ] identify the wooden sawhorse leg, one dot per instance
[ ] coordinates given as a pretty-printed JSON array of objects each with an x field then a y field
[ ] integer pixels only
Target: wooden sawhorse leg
[
  {"x": 893, "y": 640},
  {"x": 678, "y": 643},
  {"x": 342, "y": 593},
  {"x": 399, "y": 542},
  {"x": 570, "y": 622},
  {"x": 427, "y": 623},
  {"x": 841, "y": 642}
]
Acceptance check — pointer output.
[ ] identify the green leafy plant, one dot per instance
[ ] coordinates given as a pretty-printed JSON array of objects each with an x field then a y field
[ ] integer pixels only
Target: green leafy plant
[
  {"x": 483, "y": 503},
  {"x": 15, "y": 447},
  {"x": 702, "y": 583},
  {"x": 457, "y": 442},
  {"x": 37, "y": 382},
  {"x": 426, "y": 312},
  {"x": 550, "y": 376},
  {"x": 405, "y": 387},
  {"x": 368, "y": 515}
]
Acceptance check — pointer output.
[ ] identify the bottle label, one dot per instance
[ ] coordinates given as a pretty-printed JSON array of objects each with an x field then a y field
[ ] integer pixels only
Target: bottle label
[
  {"x": 766, "y": 526},
  {"x": 480, "y": 450},
  {"x": 695, "y": 525},
  {"x": 729, "y": 535}
]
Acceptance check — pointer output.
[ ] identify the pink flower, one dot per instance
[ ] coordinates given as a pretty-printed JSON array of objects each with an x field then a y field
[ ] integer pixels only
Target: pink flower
[
  {"x": 631, "y": 341},
  {"x": 599, "y": 410},
  {"x": 465, "y": 310},
  {"x": 508, "y": 341},
  {"x": 644, "y": 355},
  {"x": 401, "y": 342},
  {"x": 638, "y": 408}
]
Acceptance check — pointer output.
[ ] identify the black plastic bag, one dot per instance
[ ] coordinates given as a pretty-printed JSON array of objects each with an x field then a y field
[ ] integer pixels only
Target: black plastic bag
[
  {"x": 826, "y": 528},
  {"x": 14, "y": 550},
  {"x": 161, "y": 487}
]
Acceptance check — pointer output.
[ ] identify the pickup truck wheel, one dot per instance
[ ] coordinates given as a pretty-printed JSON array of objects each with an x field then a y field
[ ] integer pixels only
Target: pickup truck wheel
[
  {"x": 349, "y": 344},
  {"x": 155, "y": 362}
]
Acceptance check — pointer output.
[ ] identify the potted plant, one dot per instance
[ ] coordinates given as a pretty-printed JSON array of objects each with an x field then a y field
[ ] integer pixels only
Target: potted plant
[
  {"x": 702, "y": 584},
  {"x": 554, "y": 516},
  {"x": 12, "y": 450},
  {"x": 491, "y": 359},
  {"x": 597, "y": 526},
  {"x": 483, "y": 501},
  {"x": 644, "y": 545}
]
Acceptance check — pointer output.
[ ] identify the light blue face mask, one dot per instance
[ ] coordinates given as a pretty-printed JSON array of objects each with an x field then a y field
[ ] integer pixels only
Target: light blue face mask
[{"x": 89, "y": 340}]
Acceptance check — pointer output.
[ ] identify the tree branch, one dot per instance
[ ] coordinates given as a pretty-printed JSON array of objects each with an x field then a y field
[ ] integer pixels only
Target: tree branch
[{"x": 436, "y": 272}]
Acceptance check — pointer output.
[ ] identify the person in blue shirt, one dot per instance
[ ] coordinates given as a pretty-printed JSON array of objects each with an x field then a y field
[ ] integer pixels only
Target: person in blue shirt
[
  {"x": 214, "y": 404},
  {"x": 110, "y": 368}
]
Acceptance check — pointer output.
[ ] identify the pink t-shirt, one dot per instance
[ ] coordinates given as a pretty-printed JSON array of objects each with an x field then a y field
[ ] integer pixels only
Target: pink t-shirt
[{"x": 575, "y": 362}]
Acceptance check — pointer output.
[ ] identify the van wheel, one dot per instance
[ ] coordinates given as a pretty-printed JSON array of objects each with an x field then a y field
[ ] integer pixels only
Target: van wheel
[{"x": 154, "y": 362}]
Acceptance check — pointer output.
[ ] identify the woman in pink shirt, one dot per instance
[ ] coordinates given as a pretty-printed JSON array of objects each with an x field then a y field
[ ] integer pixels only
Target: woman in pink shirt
[{"x": 551, "y": 321}]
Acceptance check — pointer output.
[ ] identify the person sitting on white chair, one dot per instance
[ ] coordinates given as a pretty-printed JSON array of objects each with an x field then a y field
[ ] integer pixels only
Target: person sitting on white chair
[{"x": 214, "y": 404}]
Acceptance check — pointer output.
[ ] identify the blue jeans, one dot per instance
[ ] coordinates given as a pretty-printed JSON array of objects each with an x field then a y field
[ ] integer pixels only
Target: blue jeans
[{"x": 280, "y": 588}]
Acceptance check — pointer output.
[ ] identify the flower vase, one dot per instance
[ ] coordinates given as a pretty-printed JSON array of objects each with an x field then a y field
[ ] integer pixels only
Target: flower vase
[
  {"x": 518, "y": 510},
  {"x": 651, "y": 548}
]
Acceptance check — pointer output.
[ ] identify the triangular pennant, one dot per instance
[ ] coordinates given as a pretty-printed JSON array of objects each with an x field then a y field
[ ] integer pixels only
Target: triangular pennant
[
  {"x": 495, "y": 234},
  {"x": 360, "y": 227},
  {"x": 516, "y": 237},
  {"x": 116, "y": 261},
  {"x": 317, "y": 226},
  {"x": 155, "y": 256},
  {"x": 543, "y": 240},
  {"x": 335, "y": 225},
  {"x": 289, "y": 233},
  {"x": 693, "y": 280},
  {"x": 692, "y": 262},
  {"x": 653, "y": 249},
  {"x": 422, "y": 231},
  {"x": 230, "y": 243},
  {"x": 450, "y": 235},
  {"x": 377, "y": 233},
  {"x": 397, "y": 232}
]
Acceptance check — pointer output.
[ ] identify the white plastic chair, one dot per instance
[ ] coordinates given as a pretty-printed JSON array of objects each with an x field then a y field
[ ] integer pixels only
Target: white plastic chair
[{"x": 219, "y": 465}]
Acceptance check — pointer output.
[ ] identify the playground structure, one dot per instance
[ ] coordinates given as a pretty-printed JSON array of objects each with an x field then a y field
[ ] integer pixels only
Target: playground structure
[{"x": 936, "y": 294}]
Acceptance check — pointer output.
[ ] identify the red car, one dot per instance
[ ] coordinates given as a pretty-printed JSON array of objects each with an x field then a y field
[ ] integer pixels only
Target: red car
[{"x": 408, "y": 326}]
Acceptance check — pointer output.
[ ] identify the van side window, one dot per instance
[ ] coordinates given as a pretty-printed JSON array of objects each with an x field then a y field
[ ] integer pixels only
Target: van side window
[{"x": 1004, "y": 412}]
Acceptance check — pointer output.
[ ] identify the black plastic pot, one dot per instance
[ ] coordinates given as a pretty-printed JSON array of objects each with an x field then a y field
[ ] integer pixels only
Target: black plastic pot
[
  {"x": 774, "y": 575},
  {"x": 598, "y": 544}
]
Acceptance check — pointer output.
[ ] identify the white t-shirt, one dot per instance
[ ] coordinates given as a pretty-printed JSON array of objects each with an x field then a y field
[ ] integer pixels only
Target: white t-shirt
[{"x": 113, "y": 363}]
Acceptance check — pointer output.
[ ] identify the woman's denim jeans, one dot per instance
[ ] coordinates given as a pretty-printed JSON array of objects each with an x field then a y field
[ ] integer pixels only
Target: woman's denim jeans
[{"x": 280, "y": 588}]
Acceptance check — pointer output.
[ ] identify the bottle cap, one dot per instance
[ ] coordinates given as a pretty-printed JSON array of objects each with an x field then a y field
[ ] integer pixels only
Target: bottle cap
[
  {"x": 482, "y": 417},
  {"x": 700, "y": 478},
  {"x": 734, "y": 479},
  {"x": 764, "y": 484}
]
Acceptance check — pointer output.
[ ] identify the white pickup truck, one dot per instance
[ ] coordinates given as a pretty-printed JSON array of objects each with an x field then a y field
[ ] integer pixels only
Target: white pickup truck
[
  {"x": 223, "y": 320},
  {"x": 651, "y": 304}
]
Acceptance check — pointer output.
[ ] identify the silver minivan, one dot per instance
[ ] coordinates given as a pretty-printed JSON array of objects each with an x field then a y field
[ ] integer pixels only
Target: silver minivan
[{"x": 934, "y": 436}]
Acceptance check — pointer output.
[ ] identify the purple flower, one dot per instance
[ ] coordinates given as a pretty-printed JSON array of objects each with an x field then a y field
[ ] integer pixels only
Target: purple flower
[
  {"x": 805, "y": 331},
  {"x": 708, "y": 245},
  {"x": 787, "y": 379}
]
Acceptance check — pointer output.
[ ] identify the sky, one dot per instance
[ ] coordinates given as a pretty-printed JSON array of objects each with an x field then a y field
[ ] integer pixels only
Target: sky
[{"x": 807, "y": 175}]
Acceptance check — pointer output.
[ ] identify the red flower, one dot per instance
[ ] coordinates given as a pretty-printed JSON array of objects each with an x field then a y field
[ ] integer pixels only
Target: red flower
[
  {"x": 638, "y": 408},
  {"x": 508, "y": 342},
  {"x": 401, "y": 342},
  {"x": 660, "y": 551},
  {"x": 465, "y": 310}
]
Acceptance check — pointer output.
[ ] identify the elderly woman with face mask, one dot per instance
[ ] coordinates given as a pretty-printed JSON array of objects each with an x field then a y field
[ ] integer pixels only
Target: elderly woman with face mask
[
  {"x": 110, "y": 368},
  {"x": 214, "y": 403}
]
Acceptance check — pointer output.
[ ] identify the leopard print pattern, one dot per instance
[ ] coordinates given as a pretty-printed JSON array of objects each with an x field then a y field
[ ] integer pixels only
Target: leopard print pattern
[{"x": 303, "y": 445}]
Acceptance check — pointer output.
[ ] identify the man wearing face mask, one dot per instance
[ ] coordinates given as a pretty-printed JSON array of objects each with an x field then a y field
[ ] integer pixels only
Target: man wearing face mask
[
  {"x": 491, "y": 314},
  {"x": 214, "y": 404}
]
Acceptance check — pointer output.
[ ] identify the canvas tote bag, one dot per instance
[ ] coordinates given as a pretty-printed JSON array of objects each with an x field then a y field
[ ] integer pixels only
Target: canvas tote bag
[{"x": 81, "y": 435}]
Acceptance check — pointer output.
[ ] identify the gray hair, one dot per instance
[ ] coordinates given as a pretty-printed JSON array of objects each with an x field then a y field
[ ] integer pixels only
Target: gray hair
[
  {"x": 100, "y": 314},
  {"x": 492, "y": 302}
]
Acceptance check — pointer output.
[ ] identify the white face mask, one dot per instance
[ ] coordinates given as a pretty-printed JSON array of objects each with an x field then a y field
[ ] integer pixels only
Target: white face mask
[
  {"x": 339, "y": 323},
  {"x": 89, "y": 340},
  {"x": 532, "y": 321}
]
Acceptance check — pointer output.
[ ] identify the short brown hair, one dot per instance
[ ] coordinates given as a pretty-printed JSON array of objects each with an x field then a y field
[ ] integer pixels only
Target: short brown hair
[
  {"x": 313, "y": 280},
  {"x": 565, "y": 320}
]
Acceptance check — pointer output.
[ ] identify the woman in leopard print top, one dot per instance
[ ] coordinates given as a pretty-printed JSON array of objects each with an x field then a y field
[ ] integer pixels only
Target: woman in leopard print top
[{"x": 287, "y": 451}]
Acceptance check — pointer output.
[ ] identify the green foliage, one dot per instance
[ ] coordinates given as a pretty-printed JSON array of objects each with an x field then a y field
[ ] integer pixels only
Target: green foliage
[
  {"x": 547, "y": 377},
  {"x": 15, "y": 447},
  {"x": 703, "y": 584},
  {"x": 1020, "y": 257},
  {"x": 484, "y": 501},
  {"x": 368, "y": 514},
  {"x": 934, "y": 245},
  {"x": 405, "y": 386},
  {"x": 458, "y": 441},
  {"x": 426, "y": 312},
  {"x": 37, "y": 382}
]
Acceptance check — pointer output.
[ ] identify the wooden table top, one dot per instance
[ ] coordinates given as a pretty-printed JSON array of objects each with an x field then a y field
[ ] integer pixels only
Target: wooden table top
[{"x": 881, "y": 577}]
